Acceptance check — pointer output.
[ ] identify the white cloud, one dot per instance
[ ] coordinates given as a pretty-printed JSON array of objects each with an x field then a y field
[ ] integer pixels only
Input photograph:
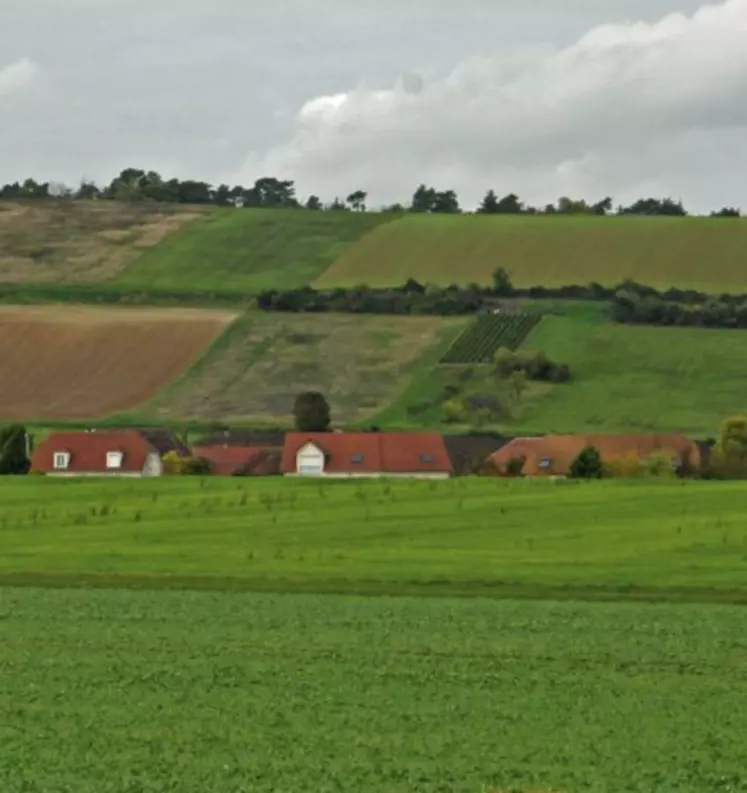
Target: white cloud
[
  {"x": 17, "y": 75},
  {"x": 656, "y": 108}
]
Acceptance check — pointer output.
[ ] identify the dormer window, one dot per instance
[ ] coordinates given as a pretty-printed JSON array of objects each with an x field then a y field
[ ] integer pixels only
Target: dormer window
[
  {"x": 427, "y": 458},
  {"x": 545, "y": 463},
  {"x": 114, "y": 459},
  {"x": 61, "y": 461},
  {"x": 356, "y": 459}
]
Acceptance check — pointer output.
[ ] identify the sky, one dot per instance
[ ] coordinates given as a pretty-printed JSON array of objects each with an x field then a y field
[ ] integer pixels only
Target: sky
[{"x": 585, "y": 98}]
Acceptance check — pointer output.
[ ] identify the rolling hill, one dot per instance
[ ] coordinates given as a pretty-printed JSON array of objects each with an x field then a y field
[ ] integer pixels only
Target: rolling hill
[
  {"x": 253, "y": 373},
  {"x": 80, "y": 242},
  {"x": 242, "y": 252},
  {"x": 698, "y": 253},
  {"x": 624, "y": 379}
]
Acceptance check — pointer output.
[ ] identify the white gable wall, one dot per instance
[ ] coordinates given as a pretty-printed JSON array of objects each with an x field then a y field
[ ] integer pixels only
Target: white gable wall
[{"x": 310, "y": 461}]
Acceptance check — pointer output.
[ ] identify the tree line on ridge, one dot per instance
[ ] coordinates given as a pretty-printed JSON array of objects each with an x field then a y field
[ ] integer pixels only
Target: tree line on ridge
[{"x": 134, "y": 184}]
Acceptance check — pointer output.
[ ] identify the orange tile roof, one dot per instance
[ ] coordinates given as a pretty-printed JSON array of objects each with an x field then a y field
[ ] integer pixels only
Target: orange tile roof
[{"x": 562, "y": 450}]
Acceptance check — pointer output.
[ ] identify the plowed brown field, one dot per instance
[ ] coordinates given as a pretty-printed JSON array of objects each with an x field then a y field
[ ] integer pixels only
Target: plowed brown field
[{"x": 75, "y": 362}]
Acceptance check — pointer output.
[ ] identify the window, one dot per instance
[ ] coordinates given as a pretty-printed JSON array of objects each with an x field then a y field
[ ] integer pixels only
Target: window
[
  {"x": 427, "y": 458},
  {"x": 114, "y": 459},
  {"x": 356, "y": 458},
  {"x": 545, "y": 463},
  {"x": 310, "y": 468},
  {"x": 61, "y": 460}
]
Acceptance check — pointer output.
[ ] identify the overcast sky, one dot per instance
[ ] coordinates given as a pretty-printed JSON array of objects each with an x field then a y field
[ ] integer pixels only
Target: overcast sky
[{"x": 542, "y": 97}]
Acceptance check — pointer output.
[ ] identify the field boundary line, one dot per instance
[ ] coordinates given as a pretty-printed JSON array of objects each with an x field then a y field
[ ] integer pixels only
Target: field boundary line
[{"x": 497, "y": 590}]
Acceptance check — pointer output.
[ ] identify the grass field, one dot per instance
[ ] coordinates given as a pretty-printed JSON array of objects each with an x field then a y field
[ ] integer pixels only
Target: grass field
[
  {"x": 624, "y": 378},
  {"x": 193, "y": 692},
  {"x": 632, "y": 379},
  {"x": 254, "y": 372},
  {"x": 478, "y": 536},
  {"x": 240, "y": 252},
  {"x": 68, "y": 362},
  {"x": 73, "y": 242},
  {"x": 698, "y": 253}
]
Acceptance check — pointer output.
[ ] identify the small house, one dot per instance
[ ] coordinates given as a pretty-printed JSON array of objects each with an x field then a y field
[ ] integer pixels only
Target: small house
[
  {"x": 553, "y": 455},
  {"x": 366, "y": 455},
  {"x": 125, "y": 453}
]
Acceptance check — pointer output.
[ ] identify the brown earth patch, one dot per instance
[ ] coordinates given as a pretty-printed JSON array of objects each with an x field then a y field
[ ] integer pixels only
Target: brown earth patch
[
  {"x": 59, "y": 242},
  {"x": 80, "y": 362}
]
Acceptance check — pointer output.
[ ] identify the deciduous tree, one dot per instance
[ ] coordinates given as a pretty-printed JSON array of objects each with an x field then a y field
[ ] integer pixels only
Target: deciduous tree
[{"x": 311, "y": 412}]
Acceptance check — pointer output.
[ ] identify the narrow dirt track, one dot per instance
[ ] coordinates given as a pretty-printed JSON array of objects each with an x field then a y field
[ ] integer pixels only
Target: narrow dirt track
[{"x": 72, "y": 362}]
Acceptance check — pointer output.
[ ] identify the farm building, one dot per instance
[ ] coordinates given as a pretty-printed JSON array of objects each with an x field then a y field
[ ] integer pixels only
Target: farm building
[
  {"x": 366, "y": 454},
  {"x": 552, "y": 455},
  {"x": 227, "y": 460},
  {"x": 108, "y": 453}
]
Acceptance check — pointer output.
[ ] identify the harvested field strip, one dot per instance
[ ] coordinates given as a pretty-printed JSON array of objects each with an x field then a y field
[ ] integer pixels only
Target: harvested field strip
[
  {"x": 698, "y": 253},
  {"x": 241, "y": 252},
  {"x": 78, "y": 362},
  {"x": 254, "y": 372},
  {"x": 478, "y": 342},
  {"x": 78, "y": 242}
]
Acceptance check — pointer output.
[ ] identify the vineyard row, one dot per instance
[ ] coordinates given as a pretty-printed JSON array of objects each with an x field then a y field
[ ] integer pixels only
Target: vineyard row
[{"x": 478, "y": 342}]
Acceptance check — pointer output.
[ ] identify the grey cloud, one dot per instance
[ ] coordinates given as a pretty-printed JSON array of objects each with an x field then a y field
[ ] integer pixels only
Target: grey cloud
[
  {"x": 188, "y": 88},
  {"x": 17, "y": 76},
  {"x": 627, "y": 106}
]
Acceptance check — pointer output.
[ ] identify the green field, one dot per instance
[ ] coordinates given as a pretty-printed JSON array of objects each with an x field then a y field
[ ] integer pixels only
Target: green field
[
  {"x": 464, "y": 536},
  {"x": 633, "y": 379},
  {"x": 698, "y": 253},
  {"x": 624, "y": 378},
  {"x": 245, "y": 693},
  {"x": 502, "y": 678},
  {"x": 240, "y": 252}
]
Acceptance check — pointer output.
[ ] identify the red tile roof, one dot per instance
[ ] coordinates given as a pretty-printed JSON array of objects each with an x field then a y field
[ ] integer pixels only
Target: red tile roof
[
  {"x": 372, "y": 452},
  {"x": 229, "y": 460},
  {"x": 88, "y": 451}
]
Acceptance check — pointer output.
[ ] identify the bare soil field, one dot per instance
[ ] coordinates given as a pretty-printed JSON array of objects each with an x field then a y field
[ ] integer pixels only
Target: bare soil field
[
  {"x": 256, "y": 369},
  {"x": 67, "y": 242},
  {"x": 80, "y": 362}
]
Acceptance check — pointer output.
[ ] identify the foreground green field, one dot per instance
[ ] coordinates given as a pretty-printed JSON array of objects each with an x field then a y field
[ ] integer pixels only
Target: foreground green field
[
  {"x": 194, "y": 692},
  {"x": 698, "y": 253},
  {"x": 240, "y": 252},
  {"x": 466, "y": 536}
]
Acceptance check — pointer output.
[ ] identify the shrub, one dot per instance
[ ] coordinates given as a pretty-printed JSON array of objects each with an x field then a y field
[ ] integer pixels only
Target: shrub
[
  {"x": 625, "y": 467},
  {"x": 196, "y": 466},
  {"x": 588, "y": 464},
  {"x": 173, "y": 465},
  {"x": 661, "y": 464},
  {"x": 455, "y": 412}
]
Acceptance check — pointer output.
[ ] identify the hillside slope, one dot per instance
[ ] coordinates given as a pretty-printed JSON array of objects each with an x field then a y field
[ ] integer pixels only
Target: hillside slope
[
  {"x": 698, "y": 253},
  {"x": 624, "y": 379},
  {"x": 253, "y": 373},
  {"x": 75, "y": 242},
  {"x": 244, "y": 251}
]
